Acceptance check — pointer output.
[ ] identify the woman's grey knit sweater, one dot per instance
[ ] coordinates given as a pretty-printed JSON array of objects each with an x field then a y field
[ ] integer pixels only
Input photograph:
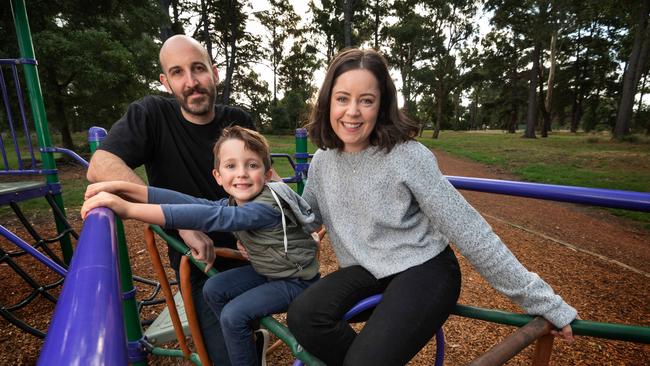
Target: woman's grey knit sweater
[{"x": 390, "y": 212}]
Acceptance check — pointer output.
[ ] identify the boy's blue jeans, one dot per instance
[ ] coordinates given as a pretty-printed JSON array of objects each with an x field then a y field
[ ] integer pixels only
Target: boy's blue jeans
[{"x": 239, "y": 296}]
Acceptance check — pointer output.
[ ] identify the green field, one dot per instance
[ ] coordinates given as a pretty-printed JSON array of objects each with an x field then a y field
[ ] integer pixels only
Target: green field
[{"x": 563, "y": 158}]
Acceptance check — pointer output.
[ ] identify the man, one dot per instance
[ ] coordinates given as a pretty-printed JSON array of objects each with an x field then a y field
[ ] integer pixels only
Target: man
[{"x": 173, "y": 138}]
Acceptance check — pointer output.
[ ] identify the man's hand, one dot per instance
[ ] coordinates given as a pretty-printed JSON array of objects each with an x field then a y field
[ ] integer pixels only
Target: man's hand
[
  {"x": 201, "y": 246},
  {"x": 242, "y": 250}
]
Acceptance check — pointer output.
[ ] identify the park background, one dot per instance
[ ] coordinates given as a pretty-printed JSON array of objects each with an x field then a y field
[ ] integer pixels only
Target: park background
[
  {"x": 527, "y": 67},
  {"x": 476, "y": 76}
]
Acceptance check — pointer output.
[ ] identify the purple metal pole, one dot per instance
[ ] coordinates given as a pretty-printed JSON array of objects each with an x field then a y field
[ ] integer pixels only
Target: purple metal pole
[
  {"x": 637, "y": 201},
  {"x": 372, "y": 301},
  {"x": 87, "y": 327},
  {"x": 32, "y": 251}
]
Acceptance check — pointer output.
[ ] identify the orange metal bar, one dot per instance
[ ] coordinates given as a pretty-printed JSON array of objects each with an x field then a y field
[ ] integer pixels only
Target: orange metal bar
[
  {"x": 514, "y": 343},
  {"x": 543, "y": 350},
  {"x": 192, "y": 319},
  {"x": 229, "y": 253},
  {"x": 167, "y": 291}
]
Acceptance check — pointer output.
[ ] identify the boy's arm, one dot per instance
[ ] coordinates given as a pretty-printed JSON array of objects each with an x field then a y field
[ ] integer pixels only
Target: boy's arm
[{"x": 250, "y": 216}]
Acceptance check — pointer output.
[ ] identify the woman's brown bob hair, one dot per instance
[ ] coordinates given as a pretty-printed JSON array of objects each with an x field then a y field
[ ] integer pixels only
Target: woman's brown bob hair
[{"x": 392, "y": 125}]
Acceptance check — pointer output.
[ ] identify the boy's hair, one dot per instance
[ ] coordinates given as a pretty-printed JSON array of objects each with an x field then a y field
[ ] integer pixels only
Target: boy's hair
[
  {"x": 253, "y": 141},
  {"x": 392, "y": 125}
]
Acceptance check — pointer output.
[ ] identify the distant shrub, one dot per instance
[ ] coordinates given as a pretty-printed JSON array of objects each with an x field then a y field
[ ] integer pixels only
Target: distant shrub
[{"x": 631, "y": 138}]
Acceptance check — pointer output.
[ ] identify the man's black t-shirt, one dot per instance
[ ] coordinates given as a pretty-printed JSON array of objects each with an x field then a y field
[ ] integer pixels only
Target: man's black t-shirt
[{"x": 176, "y": 153}]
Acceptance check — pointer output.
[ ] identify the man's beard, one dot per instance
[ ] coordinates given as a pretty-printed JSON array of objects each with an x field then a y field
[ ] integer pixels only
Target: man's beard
[{"x": 201, "y": 108}]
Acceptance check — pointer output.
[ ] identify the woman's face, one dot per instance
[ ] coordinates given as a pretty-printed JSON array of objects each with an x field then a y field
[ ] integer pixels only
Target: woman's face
[{"x": 354, "y": 106}]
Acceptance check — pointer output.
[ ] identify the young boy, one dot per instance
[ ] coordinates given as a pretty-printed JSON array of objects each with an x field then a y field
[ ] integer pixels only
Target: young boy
[{"x": 272, "y": 222}]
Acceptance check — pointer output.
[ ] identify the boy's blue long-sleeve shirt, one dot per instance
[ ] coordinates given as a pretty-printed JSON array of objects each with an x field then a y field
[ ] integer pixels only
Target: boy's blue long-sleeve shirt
[
  {"x": 257, "y": 224},
  {"x": 182, "y": 211}
]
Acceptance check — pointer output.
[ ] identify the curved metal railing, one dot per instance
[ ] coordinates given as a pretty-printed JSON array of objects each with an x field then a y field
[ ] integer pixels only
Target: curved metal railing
[{"x": 88, "y": 326}]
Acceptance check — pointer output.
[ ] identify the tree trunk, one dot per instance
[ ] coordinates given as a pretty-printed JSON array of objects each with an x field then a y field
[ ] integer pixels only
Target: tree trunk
[
  {"x": 439, "y": 101},
  {"x": 206, "y": 28},
  {"x": 545, "y": 115},
  {"x": 630, "y": 78},
  {"x": 166, "y": 26},
  {"x": 514, "y": 109},
  {"x": 62, "y": 121},
  {"x": 231, "y": 57},
  {"x": 512, "y": 127},
  {"x": 347, "y": 18},
  {"x": 377, "y": 7},
  {"x": 531, "y": 116},
  {"x": 551, "y": 80}
]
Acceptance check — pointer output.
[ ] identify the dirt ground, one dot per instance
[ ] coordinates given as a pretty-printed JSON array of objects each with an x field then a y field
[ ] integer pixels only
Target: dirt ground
[{"x": 597, "y": 262}]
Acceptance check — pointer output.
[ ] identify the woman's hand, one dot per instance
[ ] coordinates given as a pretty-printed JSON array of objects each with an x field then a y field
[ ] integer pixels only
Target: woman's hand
[
  {"x": 108, "y": 200},
  {"x": 566, "y": 333}
]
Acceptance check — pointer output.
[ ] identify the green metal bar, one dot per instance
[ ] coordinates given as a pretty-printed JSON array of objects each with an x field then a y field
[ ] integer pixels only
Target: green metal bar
[
  {"x": 129, "y": 305},
  {"x": 194, "y": 358},
  {"x": 181, "y": 248},
  {"x": 621, "y": 332},
  {"x": 301, "y": 148},
  {"x": 283, "y": 333},
  {"x": 38, "y": 113},
  {"x": 270, "y": 323}
]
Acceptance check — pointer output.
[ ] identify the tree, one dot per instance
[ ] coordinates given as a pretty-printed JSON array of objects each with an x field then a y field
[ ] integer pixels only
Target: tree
[
  {"x": 633, "y": 70},
  {"x": 230, "y": 30},
  {"x": 93, "y": 60},
  {"x": 328, "y": 25},
  {"x": 280, "y": 22}
]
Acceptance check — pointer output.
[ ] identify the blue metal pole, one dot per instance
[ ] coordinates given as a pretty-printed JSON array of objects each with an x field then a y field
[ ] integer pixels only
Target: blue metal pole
[
  {"x": 637, "y": 201},
  {"x": 87, "y": 327}
]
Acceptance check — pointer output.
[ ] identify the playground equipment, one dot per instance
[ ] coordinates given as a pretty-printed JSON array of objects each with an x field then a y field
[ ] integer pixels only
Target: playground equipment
[
  {"x": 101, "y": 249},
  {"x": 532, "y": 329},
  {"x": 19, "y": 160}
]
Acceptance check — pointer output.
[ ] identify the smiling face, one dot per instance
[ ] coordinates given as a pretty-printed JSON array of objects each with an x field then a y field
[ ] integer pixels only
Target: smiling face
[
  {"x": 189, "y": 76},
  {"x": 354, "y": 106},
  {"x": 241, "y": 171}
]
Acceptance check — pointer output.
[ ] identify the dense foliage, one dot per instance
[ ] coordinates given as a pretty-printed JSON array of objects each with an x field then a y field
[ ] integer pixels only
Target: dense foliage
[{"x": 532, "y": 65}]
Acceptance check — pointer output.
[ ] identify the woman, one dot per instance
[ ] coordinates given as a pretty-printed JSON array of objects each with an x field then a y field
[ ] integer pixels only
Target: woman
[{"x": 390, "y": 215}]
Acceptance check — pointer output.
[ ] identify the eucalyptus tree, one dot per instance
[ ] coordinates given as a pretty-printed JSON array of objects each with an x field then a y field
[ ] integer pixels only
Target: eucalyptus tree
[
  {"x": 634, "y": 67},
  {"x": 454, "y": 24},
  {"x": 280, "y": 23},
  {"x": 329, "y": 25},
  {"x": 410, "y": 39},
  {"x": 93, "y": 60}
]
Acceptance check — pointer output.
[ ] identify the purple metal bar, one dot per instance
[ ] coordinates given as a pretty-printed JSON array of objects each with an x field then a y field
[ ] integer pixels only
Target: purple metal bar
[
  {"x": 371, "y": 302},
  {"x": 637, "y": 201},
  {"x": 96, "y": 134},
  {"x": 10, "y": 120},
  {"x": 23, "y": 115},
  {"x": 68, "y": 152},
  {"x": 87, "y": 327},
  {"x": 35, "y": 253},
  {"x": 5, "y": 99},
  {"x": 28, "y": 172}
]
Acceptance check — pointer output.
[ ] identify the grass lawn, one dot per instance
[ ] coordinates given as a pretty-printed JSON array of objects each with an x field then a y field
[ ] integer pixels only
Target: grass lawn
[{"x": 563, "y": 158}]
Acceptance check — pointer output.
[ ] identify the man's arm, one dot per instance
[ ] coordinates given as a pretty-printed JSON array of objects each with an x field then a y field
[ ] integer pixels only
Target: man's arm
[{"x": 105, "y": 166}]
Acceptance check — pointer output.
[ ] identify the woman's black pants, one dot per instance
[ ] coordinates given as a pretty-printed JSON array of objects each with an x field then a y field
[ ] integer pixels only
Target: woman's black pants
[{"x": 415, "y": 303}]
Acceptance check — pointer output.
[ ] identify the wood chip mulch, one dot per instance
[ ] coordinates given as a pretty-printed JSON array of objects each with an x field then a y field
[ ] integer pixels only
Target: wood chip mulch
[{"x": 598, "y": 263}]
